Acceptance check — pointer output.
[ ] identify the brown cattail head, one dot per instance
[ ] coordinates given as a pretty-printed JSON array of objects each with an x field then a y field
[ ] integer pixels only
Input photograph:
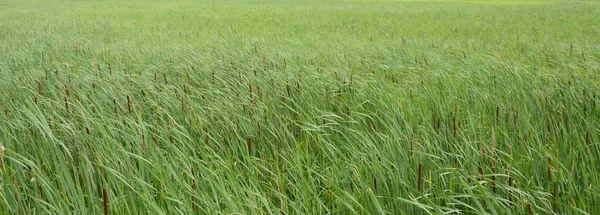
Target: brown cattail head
[
  {"x": 105, "y": 201},
  {"x": 129, "y": 104},
  {"x": 530, "y": 210},
  {"x": 587, "y": 137},
  {"x": 497, "y": 114},
  {"x": 375, "y": 183},
  {"x": 419, "y": 176},
  {"x": 66, "y": 104},
  {"x": 510, "y": 184},
  {"x": 67, "y": 91},
  {"x": 549, "y": 169},
  {"x": 454, "y": 126}
]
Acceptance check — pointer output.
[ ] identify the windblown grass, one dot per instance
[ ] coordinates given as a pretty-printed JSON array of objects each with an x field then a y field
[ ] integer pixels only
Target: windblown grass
[{"x": 320, "y": 107}]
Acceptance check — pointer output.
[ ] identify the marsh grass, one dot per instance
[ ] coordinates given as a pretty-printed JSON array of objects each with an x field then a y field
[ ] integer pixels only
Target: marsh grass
[{"x": 353, "y": 107}]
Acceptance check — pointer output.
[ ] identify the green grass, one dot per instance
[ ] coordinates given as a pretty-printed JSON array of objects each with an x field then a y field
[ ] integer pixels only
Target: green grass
[{"x": 299, "y": 107}]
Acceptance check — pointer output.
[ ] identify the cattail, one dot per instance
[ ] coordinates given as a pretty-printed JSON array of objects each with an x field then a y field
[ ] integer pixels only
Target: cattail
[
  {"x": 375, "y": 183},
  {"x": 165, "y": 77},
  {"x": 571, "y": 50},
  {"x": 497, "y": 114},
  {"x": 249, "y": 144},
  {"x": 419, "y": 175},
  {"x": 67, "y": 91},
  {"x": 347, "y": 111},
  {"x": 454, "y": 125},
  {"x": 493, "y": 145},
  {"x": 66, "y": 104},
  {"x": 105, "y": 201},
  {"x": 587, "y": 137},
  {"x": 549, "y": 169},
  {"x": 183, "y": 102},
  {"x": 410, "y": 143},
  {"x": 350, "y": 83},
  {"x": 87, "y": 130},
  {"x": 530, "y": 210},
  {"x": 129, "y": 104},
  {"x": 41, "y": 190},
  {"x": 143, "y": 141},
  {"x": 206, "y": 137},
  {"x": 258, "y": 126},
  {"x": 510, "y": 184},
  {"x": 109, "y": 69}
]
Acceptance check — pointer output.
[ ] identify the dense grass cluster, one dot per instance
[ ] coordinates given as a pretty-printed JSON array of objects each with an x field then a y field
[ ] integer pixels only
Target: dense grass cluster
[{"x": 319, "y": 107}]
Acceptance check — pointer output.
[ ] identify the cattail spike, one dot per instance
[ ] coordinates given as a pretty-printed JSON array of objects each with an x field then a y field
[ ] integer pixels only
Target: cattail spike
[
  {"x": 129, "y": 104},
  {"x": 419, "y": 176},
  {"x": 105, "y": 201},
  {"x": 375, "y": 183}
]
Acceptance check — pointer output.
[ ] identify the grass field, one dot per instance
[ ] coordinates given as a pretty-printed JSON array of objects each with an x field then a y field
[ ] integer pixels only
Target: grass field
[{"x": 299, "y": 107}]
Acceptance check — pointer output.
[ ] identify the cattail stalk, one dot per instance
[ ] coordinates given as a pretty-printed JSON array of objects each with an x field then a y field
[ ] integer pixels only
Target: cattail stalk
[
  {"x": 493, "y": 145},
  {"x": 193, "y": 193}
]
